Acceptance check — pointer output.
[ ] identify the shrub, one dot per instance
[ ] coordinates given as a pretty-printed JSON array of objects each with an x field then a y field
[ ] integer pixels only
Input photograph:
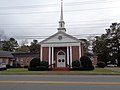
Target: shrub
[
  {"x": 8, "y": 66},
  {"x": 76, "y": 63},
  {"x": 37, "y": 65},
  {"x": 44, "y": 63},
  {"x": 75, "y": 68},
  {"x": 26, "y": 66},
  {"x": 101, "y": 64},
  {"x": 87, "y": 68},
  {"x": 15, "y": 65},
  {"x": 86, "y": 63},
  {"x": 43, "y": 66},
  {"x": 34, "y": 62},
  {"x": 1, "y": 69}
]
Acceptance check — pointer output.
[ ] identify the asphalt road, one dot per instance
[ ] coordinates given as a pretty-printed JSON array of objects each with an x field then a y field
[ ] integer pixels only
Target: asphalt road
[{"x": 59, "y": 82}]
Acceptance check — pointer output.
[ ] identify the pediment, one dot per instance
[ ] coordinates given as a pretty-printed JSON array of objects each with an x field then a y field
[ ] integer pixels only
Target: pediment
[{"x": 60, "y": 37}]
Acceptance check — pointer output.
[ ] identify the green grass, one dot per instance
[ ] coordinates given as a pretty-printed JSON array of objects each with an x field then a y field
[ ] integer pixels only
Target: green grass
[{"x": 22, "y": 71}]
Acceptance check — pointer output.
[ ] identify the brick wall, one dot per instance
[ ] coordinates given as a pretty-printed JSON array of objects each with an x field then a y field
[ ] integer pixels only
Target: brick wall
[
  {"x": 75, "y": 53},
  {"x": 45, "y": 54}
]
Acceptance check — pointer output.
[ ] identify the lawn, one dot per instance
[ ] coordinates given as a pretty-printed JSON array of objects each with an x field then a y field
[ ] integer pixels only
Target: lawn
[{"x": 22, "y": 71}]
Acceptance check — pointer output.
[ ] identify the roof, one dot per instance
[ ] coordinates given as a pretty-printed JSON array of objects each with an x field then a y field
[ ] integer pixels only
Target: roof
[
  {"x": 5, "y": 54},
  {"x": 24, "y": 54},
  {"x": 64, "y": 34}
]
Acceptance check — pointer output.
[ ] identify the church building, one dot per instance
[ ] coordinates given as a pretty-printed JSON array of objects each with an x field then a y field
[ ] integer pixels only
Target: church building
[{"x": 61, "y": 49}]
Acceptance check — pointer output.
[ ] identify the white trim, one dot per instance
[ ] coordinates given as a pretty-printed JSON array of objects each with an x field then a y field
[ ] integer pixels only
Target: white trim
[
  {"x": 60, "y": 44},
  {"x": 41, "y": 53},
  {"x": 63, "y": 57},
  {"x": 67, "y": 55},
  {"x": 70, "y": 56},
  {"x": 60, "y": 51},
  {"x": 53, "y": 38},
  {"x": 49, "y": 55},
  {"x": 80, "y": 51},
  {"x": 52, "y": 55}
]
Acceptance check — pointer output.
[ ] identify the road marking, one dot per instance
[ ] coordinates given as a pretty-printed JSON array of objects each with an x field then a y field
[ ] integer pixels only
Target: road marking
[{"x": 60, "y": 82}]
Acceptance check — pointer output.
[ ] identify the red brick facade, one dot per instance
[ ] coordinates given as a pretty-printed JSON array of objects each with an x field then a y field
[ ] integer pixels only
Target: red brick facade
[
  {"x": 45, "y": 53},
  {"x": 75, "y": 53},
  {"x": 52, "y": 59}
]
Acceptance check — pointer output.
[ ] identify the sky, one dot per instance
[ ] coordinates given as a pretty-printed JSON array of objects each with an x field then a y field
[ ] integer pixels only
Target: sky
[{"x": 38, "y": 19}]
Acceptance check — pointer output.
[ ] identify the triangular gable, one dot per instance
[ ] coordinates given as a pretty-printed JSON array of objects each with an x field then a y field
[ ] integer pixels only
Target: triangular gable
[{"x": 60, "y": 37}]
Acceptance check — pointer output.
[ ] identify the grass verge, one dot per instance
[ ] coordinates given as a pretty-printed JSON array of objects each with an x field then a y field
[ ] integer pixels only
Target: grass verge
[{"x": 22, "y": 71}]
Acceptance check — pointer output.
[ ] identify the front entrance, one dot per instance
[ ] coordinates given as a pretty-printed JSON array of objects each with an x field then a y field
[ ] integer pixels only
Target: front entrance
[{"x": 61, "y": 62}]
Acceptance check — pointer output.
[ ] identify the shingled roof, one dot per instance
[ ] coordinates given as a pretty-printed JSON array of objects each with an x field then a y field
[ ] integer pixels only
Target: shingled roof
[
  {"x": 5, "y": 54},
  {"x": 23, "y": 54}
]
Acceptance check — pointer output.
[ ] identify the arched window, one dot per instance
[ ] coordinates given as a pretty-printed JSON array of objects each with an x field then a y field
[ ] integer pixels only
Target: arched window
[{"x": 61, "y": 53}]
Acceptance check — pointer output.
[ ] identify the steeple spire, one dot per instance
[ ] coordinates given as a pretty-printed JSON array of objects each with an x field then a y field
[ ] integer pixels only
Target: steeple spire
[
  {"x": 61, "y": 22},
  {"x": 61, "y": 17}
]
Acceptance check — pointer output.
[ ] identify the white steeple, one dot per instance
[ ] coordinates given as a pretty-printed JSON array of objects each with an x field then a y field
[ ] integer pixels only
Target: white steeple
[{"x": 61, "y": 22}]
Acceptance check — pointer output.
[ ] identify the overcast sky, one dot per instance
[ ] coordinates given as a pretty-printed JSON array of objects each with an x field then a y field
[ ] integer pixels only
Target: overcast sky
[{"x": 40, "y": 17}]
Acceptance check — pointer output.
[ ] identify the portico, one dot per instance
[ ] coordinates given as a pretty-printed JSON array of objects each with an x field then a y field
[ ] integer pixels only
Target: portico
[{"x": 60, "y": 54}]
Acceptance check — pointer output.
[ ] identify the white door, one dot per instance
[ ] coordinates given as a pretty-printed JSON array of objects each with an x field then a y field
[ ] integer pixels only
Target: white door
[{"x": 61, "y": 59}]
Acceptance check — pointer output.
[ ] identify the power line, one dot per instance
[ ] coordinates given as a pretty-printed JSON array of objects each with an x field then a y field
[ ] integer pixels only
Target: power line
[
  {"x": 58, "y": 11},
  {"x": 43, "y": 37},
  {"x": 54, "y": 26},
  {"x": 48, "y": 36},
  {"x": 48, "y": 28},
  {"x": 51, "y": 23},
  {"x": 56, "y": 4}
]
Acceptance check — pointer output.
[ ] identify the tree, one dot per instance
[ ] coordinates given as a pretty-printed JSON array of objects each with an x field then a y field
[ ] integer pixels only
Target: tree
[
  {"x": 24, "y": 42},
  {"x": 24, "y": 48},
  {"x": 34, "y": 47},
  {"x": 100, "y": 48},
  {"x": 107, "y": 46},
  {"x": 113, "y": 35},
  {"x": 9, "y": 45}
]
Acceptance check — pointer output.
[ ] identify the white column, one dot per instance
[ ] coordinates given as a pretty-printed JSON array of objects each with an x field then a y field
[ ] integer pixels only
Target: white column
[
  {"x": 49, "y": 55},
  {"x": 67, "y": 55},
  {"x": 41, "y": 53},
  {"x": 52, "y": 55},
  {"x": 80, "y": 51},
  {"x": 70, "y": 56}
]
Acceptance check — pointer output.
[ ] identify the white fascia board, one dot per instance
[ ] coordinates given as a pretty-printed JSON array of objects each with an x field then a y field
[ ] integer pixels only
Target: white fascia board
[{"x": 60, "y": 45}]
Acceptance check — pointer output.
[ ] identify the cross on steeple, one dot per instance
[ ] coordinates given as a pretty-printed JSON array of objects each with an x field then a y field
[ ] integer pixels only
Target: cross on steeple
[{"x": 61, "y": 22}]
